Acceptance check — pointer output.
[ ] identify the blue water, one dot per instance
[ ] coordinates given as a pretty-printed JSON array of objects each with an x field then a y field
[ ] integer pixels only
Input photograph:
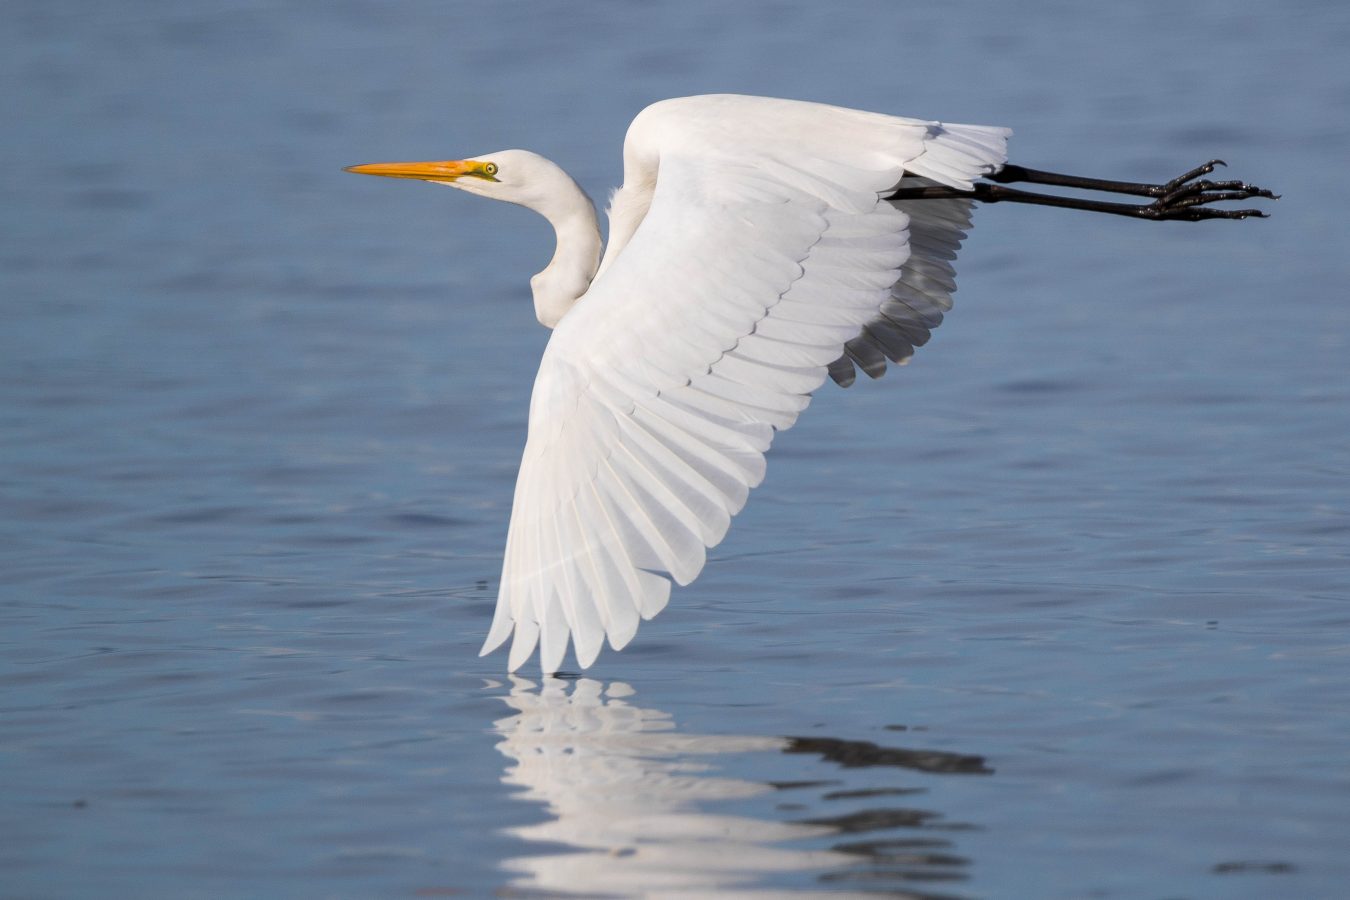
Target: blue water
[{"x": 1061, "y": 610}]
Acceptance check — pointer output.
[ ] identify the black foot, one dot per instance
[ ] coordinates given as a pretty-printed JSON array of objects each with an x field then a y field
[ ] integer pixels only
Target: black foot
[{"x": 1186, "y": 197}]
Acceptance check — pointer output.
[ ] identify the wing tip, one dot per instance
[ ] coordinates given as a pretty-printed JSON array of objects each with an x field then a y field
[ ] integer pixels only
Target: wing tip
[{"x": 497, "y": 634}]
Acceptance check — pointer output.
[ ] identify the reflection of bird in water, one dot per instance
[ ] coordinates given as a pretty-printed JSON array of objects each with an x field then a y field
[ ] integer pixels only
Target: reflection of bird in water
[
  {"x": 623, "y": 785},
  {"x": 628, "y": 790},
  {"x": 756, "y": 246}
]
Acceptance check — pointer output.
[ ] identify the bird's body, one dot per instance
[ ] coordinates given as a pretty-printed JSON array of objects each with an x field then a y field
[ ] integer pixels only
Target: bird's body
[{"x": 755, "y": 247}]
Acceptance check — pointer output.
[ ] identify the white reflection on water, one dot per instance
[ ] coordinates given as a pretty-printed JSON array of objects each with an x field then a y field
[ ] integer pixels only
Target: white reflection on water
[{"x": 623, "y": 786}]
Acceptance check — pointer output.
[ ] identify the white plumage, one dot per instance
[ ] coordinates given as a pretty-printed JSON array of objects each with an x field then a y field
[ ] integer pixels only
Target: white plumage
[{"x": 750, "y": 243}]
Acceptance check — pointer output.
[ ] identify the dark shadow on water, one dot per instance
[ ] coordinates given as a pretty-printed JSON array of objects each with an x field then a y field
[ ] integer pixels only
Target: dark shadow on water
[
  {"x": 857, "y": 754},
  {"x": 632, "y": 804}
]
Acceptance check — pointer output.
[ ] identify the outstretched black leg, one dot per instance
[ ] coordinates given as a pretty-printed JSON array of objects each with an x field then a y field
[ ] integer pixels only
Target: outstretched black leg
[{"x": 1184, "y": 198}]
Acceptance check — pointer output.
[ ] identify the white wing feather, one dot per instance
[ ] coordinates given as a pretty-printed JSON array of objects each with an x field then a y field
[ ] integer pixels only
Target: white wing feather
[{"x": 767, "y": 245}]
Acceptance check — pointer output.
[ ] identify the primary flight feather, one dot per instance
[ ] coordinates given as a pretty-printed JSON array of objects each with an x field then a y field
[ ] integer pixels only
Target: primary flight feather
[{"x": 756, "y": 247}]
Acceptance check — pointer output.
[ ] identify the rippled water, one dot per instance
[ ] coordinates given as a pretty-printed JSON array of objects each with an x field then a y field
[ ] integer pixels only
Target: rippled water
[{"x": 1060, "y": 610}]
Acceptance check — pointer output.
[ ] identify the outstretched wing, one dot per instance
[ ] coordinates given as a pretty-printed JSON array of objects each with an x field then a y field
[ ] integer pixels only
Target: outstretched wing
[{"x": 767, "y": 245}]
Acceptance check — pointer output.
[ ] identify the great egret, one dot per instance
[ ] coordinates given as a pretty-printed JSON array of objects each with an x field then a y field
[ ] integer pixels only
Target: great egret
[{"x": 755, "y": 246}]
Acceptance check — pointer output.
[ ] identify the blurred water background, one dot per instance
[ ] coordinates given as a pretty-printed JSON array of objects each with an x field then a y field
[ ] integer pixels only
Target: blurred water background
[{"x": 1061, "y": 610}]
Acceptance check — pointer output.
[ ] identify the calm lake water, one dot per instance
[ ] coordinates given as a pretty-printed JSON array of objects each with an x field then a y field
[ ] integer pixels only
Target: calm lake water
[{"x": 1061, "y": 610}]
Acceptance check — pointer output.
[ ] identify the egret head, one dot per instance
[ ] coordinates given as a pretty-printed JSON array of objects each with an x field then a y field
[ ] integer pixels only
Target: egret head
[
  {"x": 516, "y": 176},
  {"x": 529, "y": 180}
]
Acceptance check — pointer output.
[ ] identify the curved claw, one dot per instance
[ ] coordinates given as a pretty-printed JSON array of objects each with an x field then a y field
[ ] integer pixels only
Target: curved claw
[
  {"x": 1181, "y": 181},
  {"x": 1204, "y": 187}
]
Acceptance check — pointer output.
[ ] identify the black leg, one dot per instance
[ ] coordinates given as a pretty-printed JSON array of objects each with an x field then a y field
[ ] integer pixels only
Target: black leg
[{"x": 1184, "y": 198}]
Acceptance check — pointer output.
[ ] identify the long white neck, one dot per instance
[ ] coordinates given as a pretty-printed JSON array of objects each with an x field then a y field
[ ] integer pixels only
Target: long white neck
[
  {"x": 535, "y": 182},
  {"x": 576, "y": 258},
  {"x": 540, "y": 184}
]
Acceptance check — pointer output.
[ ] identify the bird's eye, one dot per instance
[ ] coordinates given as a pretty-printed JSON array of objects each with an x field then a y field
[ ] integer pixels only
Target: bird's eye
[{"x": 490, "y": 168}]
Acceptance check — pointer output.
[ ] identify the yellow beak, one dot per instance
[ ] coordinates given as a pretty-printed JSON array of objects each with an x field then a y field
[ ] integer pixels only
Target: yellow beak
[{"x": 445, "y": 170}]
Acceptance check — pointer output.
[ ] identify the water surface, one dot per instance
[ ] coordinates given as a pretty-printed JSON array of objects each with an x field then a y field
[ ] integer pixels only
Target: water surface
[{"x": 1059, "y": 610}]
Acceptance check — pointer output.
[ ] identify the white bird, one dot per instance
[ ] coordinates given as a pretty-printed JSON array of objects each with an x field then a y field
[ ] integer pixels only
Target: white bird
[{"x": 755, "y": 246}]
